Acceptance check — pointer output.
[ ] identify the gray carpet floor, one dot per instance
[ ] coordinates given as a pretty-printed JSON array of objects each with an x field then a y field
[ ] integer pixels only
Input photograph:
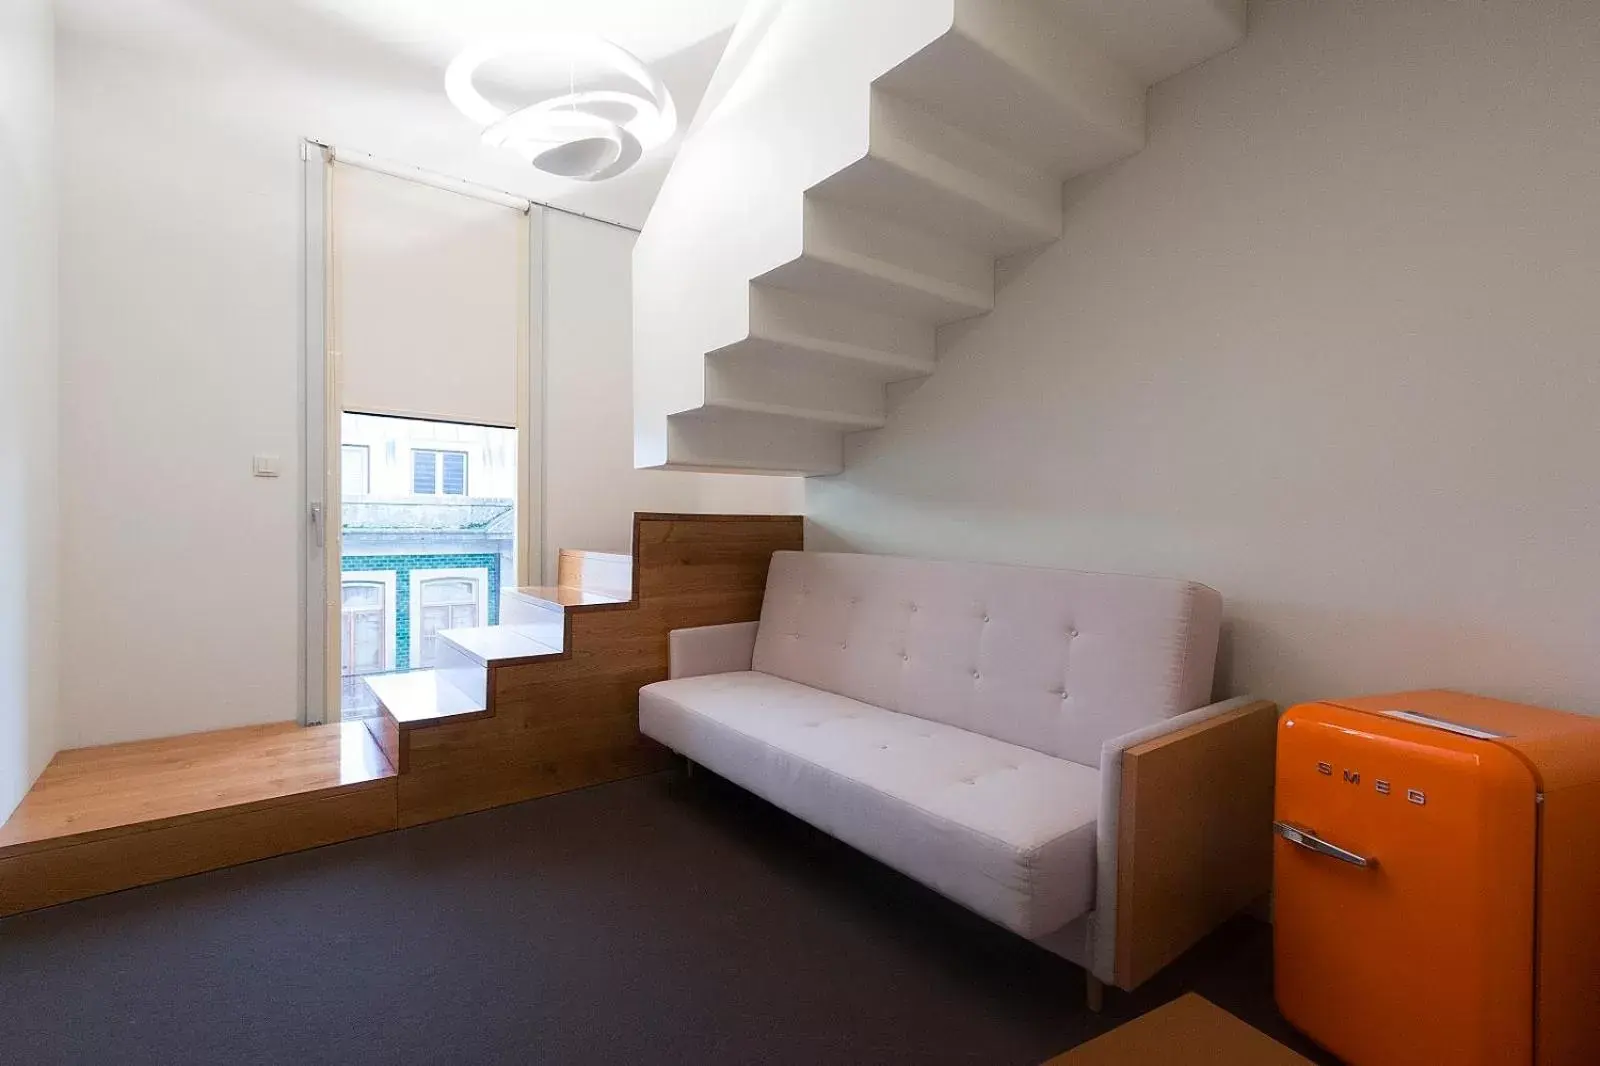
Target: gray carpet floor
[{"x": 660, "y": 920}]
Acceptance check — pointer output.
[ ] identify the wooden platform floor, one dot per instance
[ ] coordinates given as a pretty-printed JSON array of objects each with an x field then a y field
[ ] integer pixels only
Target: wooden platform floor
[{"x": 132, "y": 813}]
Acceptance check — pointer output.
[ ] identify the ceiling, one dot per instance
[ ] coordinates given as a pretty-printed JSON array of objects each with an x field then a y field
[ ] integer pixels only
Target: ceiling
[
  {"x": 438, "y": 29},
  {"x": 398, "y": 49}
]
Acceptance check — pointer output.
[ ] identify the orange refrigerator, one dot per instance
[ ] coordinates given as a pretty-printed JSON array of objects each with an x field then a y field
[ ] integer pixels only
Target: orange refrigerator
[{"x": 1437, "y": 881}]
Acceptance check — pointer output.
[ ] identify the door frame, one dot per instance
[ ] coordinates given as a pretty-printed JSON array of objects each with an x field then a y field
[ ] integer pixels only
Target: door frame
[{"x": 320, "y": 578}]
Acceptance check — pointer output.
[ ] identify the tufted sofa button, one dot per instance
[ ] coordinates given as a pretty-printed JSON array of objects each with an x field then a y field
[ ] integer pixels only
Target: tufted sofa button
[
  {"x": 986, "y": 618},
  {"x": 976, "y": 676},
  {"x": 1072, "y": 633}
]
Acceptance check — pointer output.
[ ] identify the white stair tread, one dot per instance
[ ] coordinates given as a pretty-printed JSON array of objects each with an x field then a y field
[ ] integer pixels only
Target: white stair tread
[
  {"x": 847, "y": 421},
  {"x": 840, "y": 275},
  {"x": 785, "y": 324},
  {"x": 422, "y": 696},
  {"x": 939, "y": 178},
  {"x": 713, "y": 440},
  {"x": 561, "y": 597},
  {"x": 498, "y": 645}
]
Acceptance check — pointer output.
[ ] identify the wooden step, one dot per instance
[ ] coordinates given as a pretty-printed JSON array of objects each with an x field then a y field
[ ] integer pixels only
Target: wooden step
[
  {"x": 107, "y": 818},
  {"x": 499, "y": 645},
  {"x": 416, "y": 700},
  {"x": 561, "y": 598}
]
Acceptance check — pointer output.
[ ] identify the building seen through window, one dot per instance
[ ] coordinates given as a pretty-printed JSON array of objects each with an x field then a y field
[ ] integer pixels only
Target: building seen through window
[{"x": 429, "y": 532}]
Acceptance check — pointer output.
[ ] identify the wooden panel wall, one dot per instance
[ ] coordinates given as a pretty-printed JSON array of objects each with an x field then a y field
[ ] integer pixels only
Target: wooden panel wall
[{"x": 574, "y": 721}]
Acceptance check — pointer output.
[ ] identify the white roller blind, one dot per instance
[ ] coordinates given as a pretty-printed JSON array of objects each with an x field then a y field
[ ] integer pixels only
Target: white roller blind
[{"x": 426, "y": 307}]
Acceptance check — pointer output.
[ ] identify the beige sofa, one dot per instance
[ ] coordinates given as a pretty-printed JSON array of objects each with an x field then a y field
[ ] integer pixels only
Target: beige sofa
[{"x": 1037, "y": 745}]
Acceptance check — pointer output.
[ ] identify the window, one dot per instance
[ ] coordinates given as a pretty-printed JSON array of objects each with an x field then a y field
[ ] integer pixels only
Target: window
[
  {"x": 355, "y": 471},
  {"x": 438, "y": 473},
  {"x": 446, "y": 603},
  {"x": 365, "y": 605}
]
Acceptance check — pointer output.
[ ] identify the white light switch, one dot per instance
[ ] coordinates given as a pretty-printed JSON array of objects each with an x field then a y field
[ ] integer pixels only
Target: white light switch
[{"x": 264, "y": 466}]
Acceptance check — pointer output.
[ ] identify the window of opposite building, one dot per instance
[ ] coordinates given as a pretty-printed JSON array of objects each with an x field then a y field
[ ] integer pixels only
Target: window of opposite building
[
  {"x": 449, "y": 601},
  {"x": 436, "y": 472},
  {"x": 355, "y": 470}
]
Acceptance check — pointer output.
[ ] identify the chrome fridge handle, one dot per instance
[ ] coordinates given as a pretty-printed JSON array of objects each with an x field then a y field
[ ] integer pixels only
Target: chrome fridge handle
[{"x": 1305, "y": 838}]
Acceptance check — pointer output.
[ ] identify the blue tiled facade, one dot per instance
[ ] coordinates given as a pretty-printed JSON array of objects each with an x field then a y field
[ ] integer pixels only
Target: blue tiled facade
[{"x": 402, "y": 566}]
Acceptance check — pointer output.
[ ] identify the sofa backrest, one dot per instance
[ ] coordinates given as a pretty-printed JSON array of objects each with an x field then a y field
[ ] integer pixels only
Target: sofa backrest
[{"x": 1053, "y": 660}]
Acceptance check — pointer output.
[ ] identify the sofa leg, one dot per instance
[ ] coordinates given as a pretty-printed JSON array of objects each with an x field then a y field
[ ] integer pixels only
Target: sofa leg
[
  {"x": 688, "y": 767},
  {"x": 1095, "y": 991}
]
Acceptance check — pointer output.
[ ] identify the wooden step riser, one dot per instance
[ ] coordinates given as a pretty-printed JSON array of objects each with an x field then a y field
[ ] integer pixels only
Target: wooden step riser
[{"x": 62, "y": 875}]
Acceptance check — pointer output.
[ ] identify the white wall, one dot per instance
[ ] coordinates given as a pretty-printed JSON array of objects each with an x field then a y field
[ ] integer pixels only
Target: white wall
[
  {"x": 1329, "y": 344},
  {"x": 28, "y": 385},
  {"x": 591, "y": 486},
  {"x": 180, "y": 125}
]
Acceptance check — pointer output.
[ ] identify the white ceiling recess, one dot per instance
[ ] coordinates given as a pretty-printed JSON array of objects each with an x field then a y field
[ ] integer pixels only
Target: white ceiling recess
[{"x": 368, "y": 75}]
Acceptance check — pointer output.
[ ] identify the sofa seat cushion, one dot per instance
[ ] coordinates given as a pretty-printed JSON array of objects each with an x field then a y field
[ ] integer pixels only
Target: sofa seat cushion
[{"x": 1003, "y": 830}]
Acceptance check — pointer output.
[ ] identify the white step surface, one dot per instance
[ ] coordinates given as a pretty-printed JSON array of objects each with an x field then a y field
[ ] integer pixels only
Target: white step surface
[
  {"x": 711, "y": 440},
  {"x": 532, "y": 616},
  {"x": 752, "y": 381},
  {"x": 498, "y": 645},
  {"x": 1022, "y": 76},
  {"x": 424, "y": 697},
  {"x": 926, "y": 173},
  {"x": 847, "y": 338},
  {"x": 856, "y": 257}
]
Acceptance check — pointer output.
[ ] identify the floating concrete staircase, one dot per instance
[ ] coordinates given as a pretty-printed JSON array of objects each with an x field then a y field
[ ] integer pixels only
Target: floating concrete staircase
[{"x": 857, "y": 170}]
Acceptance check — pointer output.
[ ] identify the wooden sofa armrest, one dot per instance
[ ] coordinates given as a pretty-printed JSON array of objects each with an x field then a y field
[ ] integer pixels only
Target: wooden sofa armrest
[{"x": 1194, "y": 835}]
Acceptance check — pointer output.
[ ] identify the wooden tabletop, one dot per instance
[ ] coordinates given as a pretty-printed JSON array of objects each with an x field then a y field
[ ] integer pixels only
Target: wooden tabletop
[{"x": 1189, "y": 1031}]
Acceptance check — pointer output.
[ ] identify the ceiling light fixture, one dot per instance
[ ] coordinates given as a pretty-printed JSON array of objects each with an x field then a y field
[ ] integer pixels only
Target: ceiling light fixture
[{"x": 578, "y": 135}]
